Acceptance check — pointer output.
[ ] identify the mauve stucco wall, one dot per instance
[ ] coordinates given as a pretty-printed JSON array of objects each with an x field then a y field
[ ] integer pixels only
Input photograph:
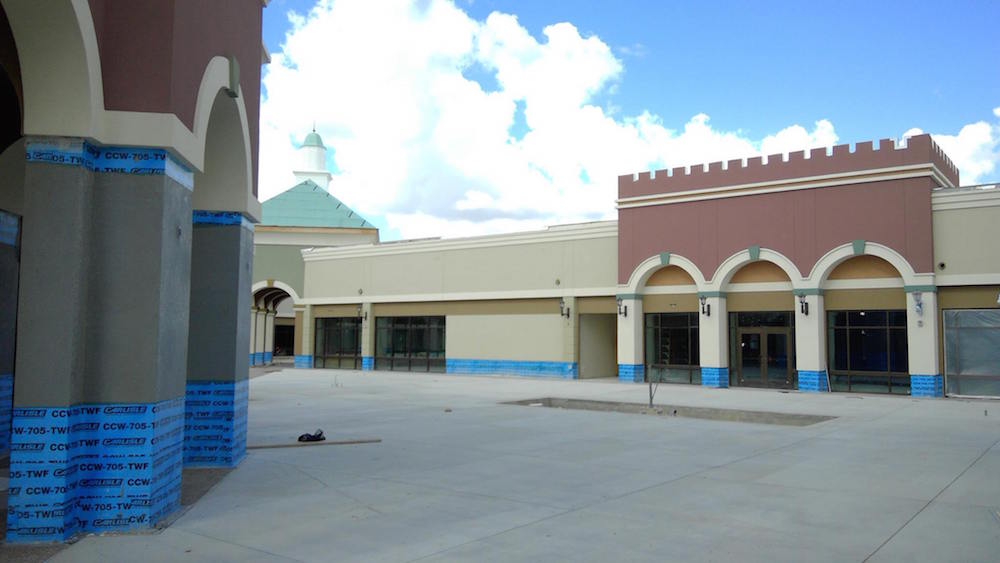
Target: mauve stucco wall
[
  {"x": 802, "y": 225},
  {"x": 154, "y": 54}
]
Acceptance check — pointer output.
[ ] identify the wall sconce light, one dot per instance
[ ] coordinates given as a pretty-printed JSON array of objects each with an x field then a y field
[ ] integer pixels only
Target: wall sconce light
[
  {"x": 622, "y": 309},
  {"x": 918, "y": 303},
  {"x": 706, "y": 308},
  {"x": 803, "y": 305},
  {"x": 362, "y": 316},
  {"x": 998, "y": 298},
  {"x": 563, "y": 309}
]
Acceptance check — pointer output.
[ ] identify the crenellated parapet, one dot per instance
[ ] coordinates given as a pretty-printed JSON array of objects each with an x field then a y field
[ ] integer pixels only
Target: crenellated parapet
[{"x": 914, "y": 152}]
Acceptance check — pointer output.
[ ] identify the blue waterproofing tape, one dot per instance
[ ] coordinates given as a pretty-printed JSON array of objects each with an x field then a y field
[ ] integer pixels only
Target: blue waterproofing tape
[
  {"x": 215, "y": 423},
  {"x": 93, "y": 468}
]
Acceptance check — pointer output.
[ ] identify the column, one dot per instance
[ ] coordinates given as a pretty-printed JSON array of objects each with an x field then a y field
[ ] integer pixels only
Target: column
[
  {"x": 569, "y": 368},
  {"x": 922, "y": 341},
  {"x": 304, "y": 357},
  {"x": 713, "y": 339},
  {"x": 631, "y": 367},
  {"x": 252, "y": 322},
  {"x": 810, "y": 340},
  {"x": 10, "y": 226},
  {"x": 367, "y": 338},
  {"x": 98, "y": 416},
  {"x": 269, "y": 335},
  {"x": 217, "y": 387},
  {"x": 260, "y": 324}
]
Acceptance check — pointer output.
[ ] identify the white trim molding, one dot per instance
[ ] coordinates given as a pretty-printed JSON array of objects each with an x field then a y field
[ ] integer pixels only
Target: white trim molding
[
  {"x": 296, "y": 300},
  {"x": 728, "y": 268},
  {"x": 466, "y": 296},
  {"x": 559, "y": 233},
  {"x": 641, "y": 274},
  {"x": 943, "y": 199},
  {"x": 790, "y": 184},
  {"x": 821, "y": 270},
  {"x": 967, "y": 279}
]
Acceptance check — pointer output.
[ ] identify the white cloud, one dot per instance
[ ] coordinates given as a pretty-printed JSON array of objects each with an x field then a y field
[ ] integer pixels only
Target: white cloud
[
  {"x": 975, "y": 150},
  {"x": 420, "y": 142}
]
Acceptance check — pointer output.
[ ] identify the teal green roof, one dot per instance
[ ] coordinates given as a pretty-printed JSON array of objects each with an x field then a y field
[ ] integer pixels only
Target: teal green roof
[
  {"x": 308, "y": 205},
  {"x": 313, "y": 140}
]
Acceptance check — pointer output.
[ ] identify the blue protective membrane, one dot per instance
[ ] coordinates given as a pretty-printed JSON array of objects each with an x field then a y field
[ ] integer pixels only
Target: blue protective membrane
[
  {"x": 215, "y": 423},
  {"x": 93, "y": 468}
]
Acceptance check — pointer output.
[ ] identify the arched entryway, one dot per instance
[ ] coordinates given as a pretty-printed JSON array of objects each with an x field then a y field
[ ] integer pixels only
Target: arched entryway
[{"x": 272, "y": 325}]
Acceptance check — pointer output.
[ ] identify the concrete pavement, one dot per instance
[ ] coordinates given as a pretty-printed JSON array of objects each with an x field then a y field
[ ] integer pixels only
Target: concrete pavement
[{"x": 891, "y": 478}]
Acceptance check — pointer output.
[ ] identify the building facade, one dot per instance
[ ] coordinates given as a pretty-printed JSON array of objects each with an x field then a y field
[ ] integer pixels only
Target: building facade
[
  {"x": 304, "y": 216},
  {"x": 854, "y": 269},
  {"x": 128, "y": 158}
]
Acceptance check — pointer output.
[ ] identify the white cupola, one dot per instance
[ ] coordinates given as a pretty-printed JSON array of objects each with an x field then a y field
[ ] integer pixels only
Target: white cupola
[{"x": 312, "y": 161}]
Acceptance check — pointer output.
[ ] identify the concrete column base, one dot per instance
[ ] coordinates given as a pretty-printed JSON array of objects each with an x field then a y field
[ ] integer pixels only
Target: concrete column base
[
  {"x": 631, "y": 373},
  {"x": 367, "y": 363},
  {"x": 93, "y": 469},
  {"x": 215, "y": 428},
  {"x": 926, "y": 386},
  {"x": 813, "y": 381},
  {"x": 717, "y": 378}
]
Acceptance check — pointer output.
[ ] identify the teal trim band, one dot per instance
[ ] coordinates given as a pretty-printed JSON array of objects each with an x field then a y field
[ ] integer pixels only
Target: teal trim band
[
  {"x": 920, "y": 288},
  {"x": 808, "y": 291},
  {"x": 711, "y": 294},
  {"x": 664, "y": 258},
  {"x": 859, "y": 246},
  {"x": 754, "y": 252},
  {"x": 637, "y": 296}
]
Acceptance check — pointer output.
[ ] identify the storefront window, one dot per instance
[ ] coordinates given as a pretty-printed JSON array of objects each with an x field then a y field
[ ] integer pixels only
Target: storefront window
[
  {"x": 867, "y": 351},
  {"x": 338, "y": 343},
  {"x": 410, "y": 343},
  {"x": 672, "y": 348}
]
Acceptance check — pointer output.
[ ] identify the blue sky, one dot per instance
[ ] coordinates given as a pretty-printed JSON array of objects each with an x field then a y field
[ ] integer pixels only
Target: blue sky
[{"x": 754, "y": 69}]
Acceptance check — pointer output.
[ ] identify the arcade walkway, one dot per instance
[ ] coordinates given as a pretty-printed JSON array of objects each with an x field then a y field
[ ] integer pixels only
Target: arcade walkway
[{"x": 458, "y": 476}]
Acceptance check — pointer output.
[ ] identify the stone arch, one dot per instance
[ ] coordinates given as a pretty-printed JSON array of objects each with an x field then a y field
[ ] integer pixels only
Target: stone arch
[
  {"x": 728, "y": 268},
  {"x": 825, "y": 265},
  {"x": 60, "y": 67},
  {"x": 257, "y": 287},
  {"x": 649, "y": 266},
  {"x": 225, "y": 181}
]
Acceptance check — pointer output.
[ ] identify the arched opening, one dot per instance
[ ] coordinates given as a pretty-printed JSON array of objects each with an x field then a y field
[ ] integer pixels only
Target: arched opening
[
  {"x": 671, "y": 326},
  {"x": 761, "y": 321},
  {"x": 866, "y": 326},
  {"x": 225, "y": 182},
  {"x": 272, "y": 327}
]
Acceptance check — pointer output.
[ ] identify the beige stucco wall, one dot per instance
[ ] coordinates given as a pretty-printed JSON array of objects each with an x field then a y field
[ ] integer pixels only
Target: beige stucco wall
[
  {"x": 441, "y": 270},
  {"x": 279, "y": 263},
  {"x": 536, "y": 338},
  {"x": 966, "y": 241},
  {"x": 598, "y": 346}
]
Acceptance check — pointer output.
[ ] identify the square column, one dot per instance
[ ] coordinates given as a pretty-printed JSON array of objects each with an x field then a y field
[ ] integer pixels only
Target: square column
[
  {"x": 631, "y": 363},
  {"x": 367, "y": 338},
  {"x": 810, "y": 341},
  {"x": 217, "y": 388},
  {"x": 570, "y": 365},
  {"x": 97, "y": 423},
  {"x": 922, "y": 341},
  {"x": 10, "y": 226},
  {"x": 304, "y": 356},
  {"x": 269, "y": 336},
  {"x": 252, "y": 318},
  {"x": 713, "y": 340},
  {"x": 260, "y": 334}
]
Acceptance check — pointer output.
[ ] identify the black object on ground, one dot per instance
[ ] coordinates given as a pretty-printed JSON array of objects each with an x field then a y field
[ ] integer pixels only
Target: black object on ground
[{"x": 314, "y": 437}]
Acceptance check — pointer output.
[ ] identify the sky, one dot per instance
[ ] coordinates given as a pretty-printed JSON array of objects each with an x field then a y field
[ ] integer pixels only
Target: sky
[{"x": 470, "y": 117}]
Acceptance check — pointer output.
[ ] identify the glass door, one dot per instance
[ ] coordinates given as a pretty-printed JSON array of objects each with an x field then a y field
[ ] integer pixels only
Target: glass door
[
  {"x": 764, "y": 358},
  {"x": 751, "y": 368},
  {"x": 777, "y": 368}
]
